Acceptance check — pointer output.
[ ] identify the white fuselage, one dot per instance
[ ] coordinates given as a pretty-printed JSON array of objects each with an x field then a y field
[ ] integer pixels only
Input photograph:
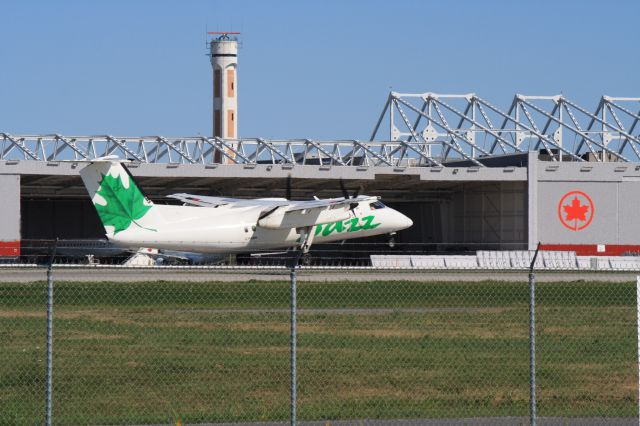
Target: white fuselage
[
  {"x": 226, "y": 229},
  {"x": 227, "y": 225}
]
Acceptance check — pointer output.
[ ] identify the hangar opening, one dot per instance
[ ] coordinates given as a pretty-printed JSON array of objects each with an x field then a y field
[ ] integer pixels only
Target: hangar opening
[{"x": 449, "y": 217}]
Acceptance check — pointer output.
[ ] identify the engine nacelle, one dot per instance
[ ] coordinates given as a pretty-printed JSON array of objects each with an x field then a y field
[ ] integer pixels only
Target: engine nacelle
[{"x": 304, "y": 218}]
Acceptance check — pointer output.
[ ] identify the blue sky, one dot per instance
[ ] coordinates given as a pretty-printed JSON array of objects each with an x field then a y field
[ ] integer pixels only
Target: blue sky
[{"x": 306, "y": 69}]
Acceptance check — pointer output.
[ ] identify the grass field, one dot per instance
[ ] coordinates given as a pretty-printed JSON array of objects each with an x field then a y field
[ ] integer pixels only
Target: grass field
[{"x": 158, "y": 352}]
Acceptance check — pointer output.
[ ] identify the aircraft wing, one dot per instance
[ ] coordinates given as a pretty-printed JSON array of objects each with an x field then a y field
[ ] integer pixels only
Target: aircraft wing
[
  {"x": 302, "y": 214},
  {"x": 326, "y": 203},
  {"x": 206, "y": 201},
  {"x": 279, "y": 213}
]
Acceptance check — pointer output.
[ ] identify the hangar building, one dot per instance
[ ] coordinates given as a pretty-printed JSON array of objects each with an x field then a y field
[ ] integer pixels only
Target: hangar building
[{"x": 470, "y": 175}]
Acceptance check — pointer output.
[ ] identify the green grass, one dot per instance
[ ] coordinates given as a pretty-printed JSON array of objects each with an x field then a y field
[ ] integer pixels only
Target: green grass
[{"x": 161, "y": 351}]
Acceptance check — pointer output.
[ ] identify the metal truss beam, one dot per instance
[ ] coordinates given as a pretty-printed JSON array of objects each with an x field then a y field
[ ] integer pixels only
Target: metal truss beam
[
  {"x": 207, "y": 151},
  {"x": 424, "y": 130},
  {"x": 441, "y": 128}
]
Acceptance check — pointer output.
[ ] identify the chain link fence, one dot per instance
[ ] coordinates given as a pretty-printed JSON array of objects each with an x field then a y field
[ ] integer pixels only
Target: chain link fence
[
  {"x": 368, "y": 352},
  {"x": 374, "y": 251},
  {"x": 374, "y": 254}
]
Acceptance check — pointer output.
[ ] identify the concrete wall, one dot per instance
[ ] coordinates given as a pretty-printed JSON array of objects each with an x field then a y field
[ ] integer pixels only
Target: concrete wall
[
  {"x": 10, "y": 215},
  {"x": 607, "y": 198}
]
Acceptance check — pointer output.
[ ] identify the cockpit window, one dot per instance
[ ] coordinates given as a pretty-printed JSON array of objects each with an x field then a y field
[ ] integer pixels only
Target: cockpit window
[{"x": 377, "y": 205}]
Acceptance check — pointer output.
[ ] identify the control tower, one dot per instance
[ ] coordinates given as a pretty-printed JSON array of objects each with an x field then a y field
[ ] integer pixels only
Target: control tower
[{"x": 223, "y": 52}]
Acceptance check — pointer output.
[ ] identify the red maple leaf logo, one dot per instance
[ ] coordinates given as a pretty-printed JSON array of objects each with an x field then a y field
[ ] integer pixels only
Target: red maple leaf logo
[
  {"x": 575, "y": 215},
  {"x": 575, "y": 211}
]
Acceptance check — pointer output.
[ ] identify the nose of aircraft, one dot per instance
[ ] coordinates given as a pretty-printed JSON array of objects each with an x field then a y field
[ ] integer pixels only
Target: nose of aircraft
[
  {"x": 407, "y": 222},
  {"x": 403, "y": 221}
]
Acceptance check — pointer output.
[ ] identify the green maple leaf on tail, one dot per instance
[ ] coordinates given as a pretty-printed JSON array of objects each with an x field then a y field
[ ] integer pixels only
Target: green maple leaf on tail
[{"x": 123, "y": 205}]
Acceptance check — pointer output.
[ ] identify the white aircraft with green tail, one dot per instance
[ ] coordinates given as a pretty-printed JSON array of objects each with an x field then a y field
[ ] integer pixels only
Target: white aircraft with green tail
[{"x": 228, "y": 225}]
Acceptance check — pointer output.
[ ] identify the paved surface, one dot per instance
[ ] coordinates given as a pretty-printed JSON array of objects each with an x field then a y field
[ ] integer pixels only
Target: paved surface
[
  {"x": 472, "y": 421},
  {"x": 343, "y": 311},
  {"x": 237, "y": 275}
]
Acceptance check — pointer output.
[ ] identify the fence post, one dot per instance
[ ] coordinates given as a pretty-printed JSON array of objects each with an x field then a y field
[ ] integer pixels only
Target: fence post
[
  {"x": 638, "y": 333},
  {"x": 533, "y": 416},
  {"x": 294, "y": 344},
  {"x": 293, "y": 264},
  {"x": 49, "y": 366}
]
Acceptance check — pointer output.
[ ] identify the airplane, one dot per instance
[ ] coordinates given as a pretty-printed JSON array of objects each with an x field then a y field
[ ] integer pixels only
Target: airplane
[
  {"x": 206, "y": 224},
  {"x": 152, "y": 256}
]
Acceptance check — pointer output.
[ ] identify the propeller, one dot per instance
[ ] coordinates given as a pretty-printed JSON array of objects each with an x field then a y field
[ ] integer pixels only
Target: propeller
[
  {"x": 288, "y": 190},
  {"x": 346, "y": 195}
]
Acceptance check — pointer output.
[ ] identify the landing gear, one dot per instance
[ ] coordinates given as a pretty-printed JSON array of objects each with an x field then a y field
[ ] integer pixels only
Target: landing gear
[
  {"x": 306, "y": 238},
  {"x": 392, "y": 240}
]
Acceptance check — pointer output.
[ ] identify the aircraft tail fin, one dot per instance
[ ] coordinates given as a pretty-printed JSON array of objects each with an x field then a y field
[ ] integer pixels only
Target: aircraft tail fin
[{"x": 117, "y": 198}]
